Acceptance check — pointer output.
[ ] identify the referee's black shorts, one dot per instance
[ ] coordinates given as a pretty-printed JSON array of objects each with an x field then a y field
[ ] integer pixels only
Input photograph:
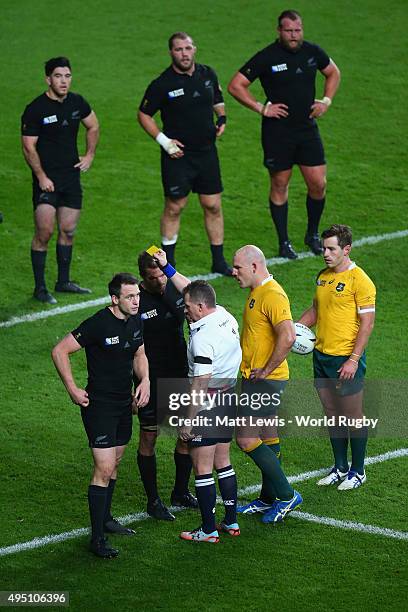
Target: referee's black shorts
[
  {"x": 196, "y": 171},
  {"x": 285, "y": 146},
  {"x": 220, "y": 423},
  {"x": 107, "y": 424},
  {"x": 68, "y": 191}
]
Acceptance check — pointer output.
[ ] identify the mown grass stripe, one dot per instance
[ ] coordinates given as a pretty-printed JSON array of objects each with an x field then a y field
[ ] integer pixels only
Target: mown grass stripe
[
  {"x": 141, "y": 516},
  {"x": 274, "y": 261}
]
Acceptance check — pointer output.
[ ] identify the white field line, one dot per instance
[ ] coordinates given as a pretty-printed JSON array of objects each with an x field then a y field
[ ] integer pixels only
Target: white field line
[
  {"x": 141, "y": 516},
  {"x": 274, "y": 261},
  {"x": 372, "y": 529}
]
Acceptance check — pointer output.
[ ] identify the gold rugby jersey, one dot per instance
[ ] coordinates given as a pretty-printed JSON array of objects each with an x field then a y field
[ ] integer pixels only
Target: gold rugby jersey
[
  {"x": 266, "y": 306},
  {"x": 340, "y": 298}
]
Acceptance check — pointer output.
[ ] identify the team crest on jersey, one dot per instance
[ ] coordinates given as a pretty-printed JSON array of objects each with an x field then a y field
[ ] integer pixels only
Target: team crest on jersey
[
  {"x": 176, "y": 93},
  {"x": 252, "y": 303},
  {"x": 279, "y": 67},
  {"x": 75, "y": 114},
  {"x": 340, "y": 286},
  {"x": 50, "y": 119},
  {"x": 110, "y": 341}
]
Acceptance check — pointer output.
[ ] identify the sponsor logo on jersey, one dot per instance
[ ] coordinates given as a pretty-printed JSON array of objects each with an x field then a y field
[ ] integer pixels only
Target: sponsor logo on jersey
[
  {"x": 110, "y": 341},
  {"x": 321, "y": 283},
  {"x": 50, "y": 119},
  {"x": 196, "y": 94},
  {"x": 299, "y": 71},
  {"x": 279, "y": 67},
  {"x": 340, "y": 286},
  {"x": 176, "y": 93},
  {"x": 127, "y": 345},
  {"x": 146, "y": 315},
  {"x": 252, "y": 303},
  {"x": 65, "y": 123}
]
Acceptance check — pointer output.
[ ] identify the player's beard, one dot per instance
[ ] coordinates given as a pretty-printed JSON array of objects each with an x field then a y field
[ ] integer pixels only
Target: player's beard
[
  {"x": 183, "y": 67},
  {"x": 292, "y": 48}
]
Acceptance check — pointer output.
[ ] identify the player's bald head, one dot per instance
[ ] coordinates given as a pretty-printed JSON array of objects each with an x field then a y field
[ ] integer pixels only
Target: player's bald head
[{"x": 251, "y": 254}]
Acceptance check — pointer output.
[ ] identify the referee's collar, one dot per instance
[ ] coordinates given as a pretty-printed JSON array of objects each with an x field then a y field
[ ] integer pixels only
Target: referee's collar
[{"x": 204, "y": 320}]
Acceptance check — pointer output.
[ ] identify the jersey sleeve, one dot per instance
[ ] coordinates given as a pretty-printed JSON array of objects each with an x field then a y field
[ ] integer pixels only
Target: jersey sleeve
[
  {"x": 365, "y": 292},
  {"x": 30, "y": 122},
  {"x": 277, "y": 308},
  {"x": 323, "y": 60},
  {"x": 152, "y": 99},
  {"x": 85, "y": 108},
  {"x": 218, "y": 95},
  {"x": 203, "y": 356},
  {"x": 255, "y": 66},
  {"x": 85, "y": 333}
]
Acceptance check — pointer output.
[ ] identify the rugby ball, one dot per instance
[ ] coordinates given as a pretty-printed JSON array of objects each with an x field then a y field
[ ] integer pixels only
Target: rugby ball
[{"x": 305, "y": 340}]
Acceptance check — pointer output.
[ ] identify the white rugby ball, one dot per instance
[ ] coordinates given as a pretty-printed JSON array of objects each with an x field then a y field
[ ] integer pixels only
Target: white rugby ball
[{"x": 305, "y": 340}]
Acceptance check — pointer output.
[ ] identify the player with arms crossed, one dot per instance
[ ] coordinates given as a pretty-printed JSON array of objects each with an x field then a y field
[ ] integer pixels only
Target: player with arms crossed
[{"x": 343, "y": 311}]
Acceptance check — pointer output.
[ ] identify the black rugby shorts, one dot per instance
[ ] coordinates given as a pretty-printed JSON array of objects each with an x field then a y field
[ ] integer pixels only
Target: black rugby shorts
[
  {"x": 68, "y": 192},
  {"x": 106, "y": 424},
  {"x": 196, "y": 171},
  {"x": 285, "y": 146}
]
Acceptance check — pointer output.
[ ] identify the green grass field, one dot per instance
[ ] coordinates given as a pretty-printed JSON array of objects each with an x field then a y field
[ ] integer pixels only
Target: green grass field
[{"x": 115, "y": 50}]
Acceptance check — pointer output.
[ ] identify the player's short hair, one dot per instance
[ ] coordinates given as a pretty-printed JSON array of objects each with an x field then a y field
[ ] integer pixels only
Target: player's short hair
[
  {"x": 289, "y": 14},
  {"x": 201, "y": 292},
  {"x": 182, "y": 35},
  {"x": 342, "y": 232},
  {"x": 56, "y": 62},
  {"x": 145, "y": 261},
  {"x": 122, "y": 278}
]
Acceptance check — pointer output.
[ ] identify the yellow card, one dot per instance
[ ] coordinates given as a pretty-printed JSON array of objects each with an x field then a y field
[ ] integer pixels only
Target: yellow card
[{"x": 152, "y": 250}]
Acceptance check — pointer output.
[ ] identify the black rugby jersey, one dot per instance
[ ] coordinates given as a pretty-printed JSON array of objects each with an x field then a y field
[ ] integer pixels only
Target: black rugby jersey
[
  {"x": 288, "y": 77},
  {"x": 110, "y": 344},
  {"x": 56, "y": 124},
  {"x": 163, "y": 318},
  {"x": 186, "y": 105}
]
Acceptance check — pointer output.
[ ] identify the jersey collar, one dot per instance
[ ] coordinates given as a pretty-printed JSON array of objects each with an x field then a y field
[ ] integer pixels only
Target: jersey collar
[
  {"x": 203, "y": 320},
  {"x": 266, "y": 280}
]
